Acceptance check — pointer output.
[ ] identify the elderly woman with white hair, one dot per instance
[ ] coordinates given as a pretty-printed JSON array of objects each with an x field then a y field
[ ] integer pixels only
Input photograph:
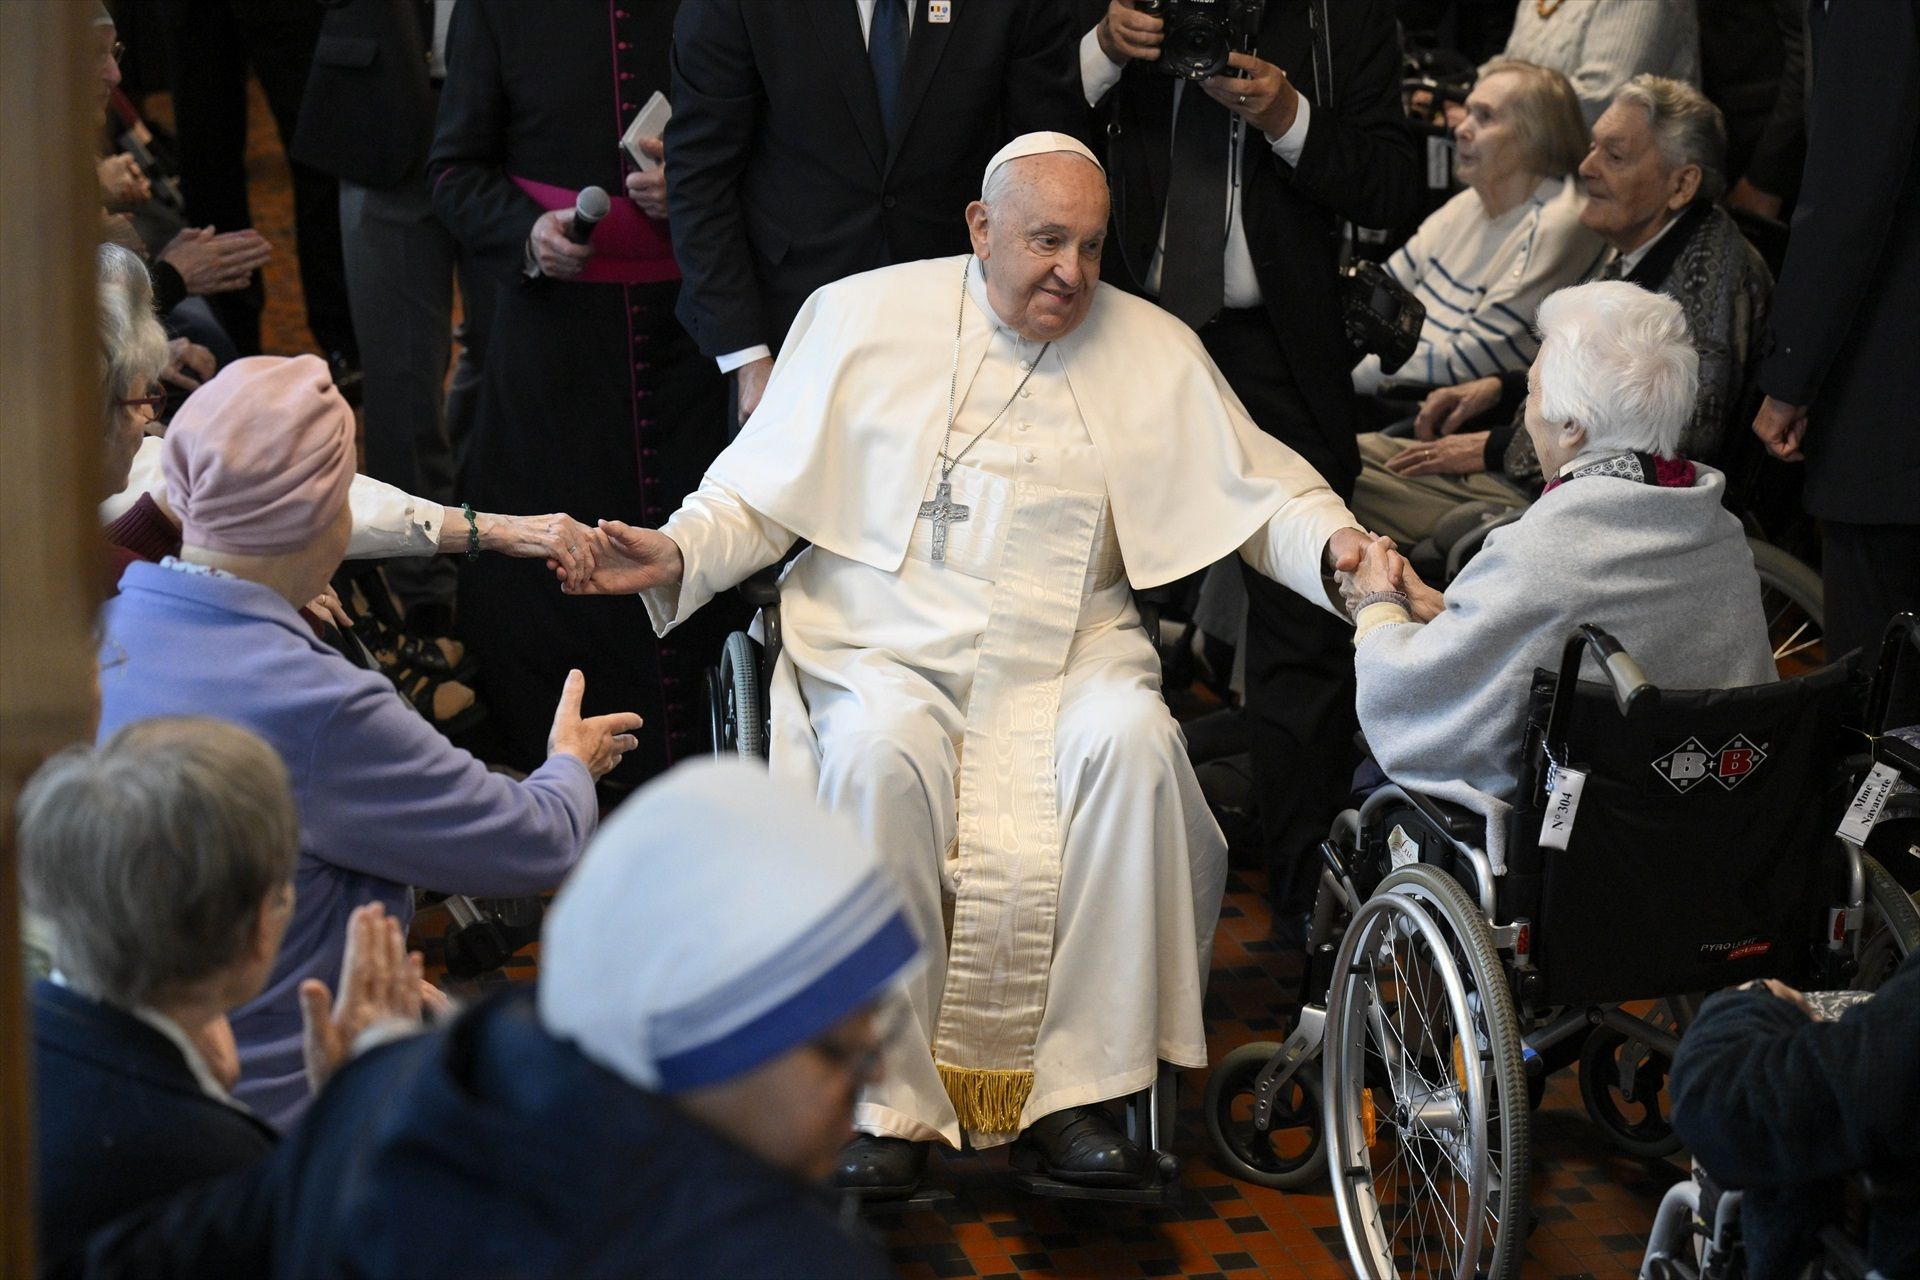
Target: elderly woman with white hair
[{"x": 1628, "y": 534}]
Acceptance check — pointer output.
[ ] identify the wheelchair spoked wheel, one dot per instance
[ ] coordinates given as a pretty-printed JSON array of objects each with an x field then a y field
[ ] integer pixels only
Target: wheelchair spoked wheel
[
  {"x": 739, "y": 704},
  {"x": 1892, "y": 927},
  {"x": 1794, "y": 601},
  {"x": 1291, "y": 1152},
  {"x": 1623, "y": 1083},
  {"x": 1427, "y": 1124}
]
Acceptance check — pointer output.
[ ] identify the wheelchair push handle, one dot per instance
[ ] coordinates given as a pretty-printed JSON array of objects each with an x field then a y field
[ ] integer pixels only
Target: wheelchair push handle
[{"x": 1631, "y": 688}]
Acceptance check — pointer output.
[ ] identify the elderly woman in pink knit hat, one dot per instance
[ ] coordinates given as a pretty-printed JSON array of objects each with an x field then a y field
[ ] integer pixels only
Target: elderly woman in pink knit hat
[{"x": 258, "y": 463}]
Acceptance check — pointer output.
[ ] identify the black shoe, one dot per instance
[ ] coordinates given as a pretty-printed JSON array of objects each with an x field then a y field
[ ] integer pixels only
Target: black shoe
[
  {"x": 347, "y": 378},
  {"x": 880, "y": 1168},
  {"x": 1081, "y": 1145}
]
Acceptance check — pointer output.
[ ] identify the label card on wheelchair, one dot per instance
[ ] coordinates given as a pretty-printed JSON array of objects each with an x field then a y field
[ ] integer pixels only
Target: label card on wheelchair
[
  {"x": 1858, "y": 822},
  {"x": 1563, "y": 805}
]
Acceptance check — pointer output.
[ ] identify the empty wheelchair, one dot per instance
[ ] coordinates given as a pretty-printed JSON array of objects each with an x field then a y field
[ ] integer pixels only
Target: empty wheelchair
[
  {"x": 739, "y": 692},
  {"x": 1700, "y": 854}
]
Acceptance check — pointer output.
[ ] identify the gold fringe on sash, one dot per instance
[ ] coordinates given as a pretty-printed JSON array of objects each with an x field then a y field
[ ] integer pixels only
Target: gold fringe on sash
[{"x": 987, "y": 1100}]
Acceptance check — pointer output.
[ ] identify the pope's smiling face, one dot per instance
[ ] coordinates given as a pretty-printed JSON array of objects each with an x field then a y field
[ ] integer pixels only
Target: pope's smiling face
[{"x": 1038, "y": 234}]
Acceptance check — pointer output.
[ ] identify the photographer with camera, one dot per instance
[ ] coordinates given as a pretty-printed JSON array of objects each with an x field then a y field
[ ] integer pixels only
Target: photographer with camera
[{"x": 1241, "y": 135}]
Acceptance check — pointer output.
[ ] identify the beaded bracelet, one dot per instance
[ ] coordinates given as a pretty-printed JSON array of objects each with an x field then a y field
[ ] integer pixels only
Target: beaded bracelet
[
  {"x": 473, "y": 531},
  {"x": 1383, "y": 597}
]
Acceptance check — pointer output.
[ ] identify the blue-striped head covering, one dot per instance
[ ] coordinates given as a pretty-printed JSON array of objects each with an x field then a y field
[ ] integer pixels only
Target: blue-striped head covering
[{"x": 721, "y": 918}]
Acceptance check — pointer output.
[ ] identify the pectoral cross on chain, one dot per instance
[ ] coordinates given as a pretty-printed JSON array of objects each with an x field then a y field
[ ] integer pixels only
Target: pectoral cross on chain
[{"x": 942, "y": 511}]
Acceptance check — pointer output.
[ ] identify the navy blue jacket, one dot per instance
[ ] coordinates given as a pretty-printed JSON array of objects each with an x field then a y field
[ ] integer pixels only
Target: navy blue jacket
[
  {"x": 492, "y": 1149},
  {"x": 122, "y": 1121},
  {"x": 1782, "y": 1108}
]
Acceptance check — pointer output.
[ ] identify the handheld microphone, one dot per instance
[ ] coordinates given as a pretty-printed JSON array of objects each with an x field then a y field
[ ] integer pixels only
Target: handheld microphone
[{"x": 588, "y": 209}]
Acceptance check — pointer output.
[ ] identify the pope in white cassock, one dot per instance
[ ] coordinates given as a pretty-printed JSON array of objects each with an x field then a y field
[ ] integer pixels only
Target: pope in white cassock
[{"x": 985, "y": 452}]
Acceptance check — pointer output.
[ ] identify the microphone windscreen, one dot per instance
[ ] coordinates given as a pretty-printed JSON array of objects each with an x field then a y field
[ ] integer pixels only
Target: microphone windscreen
[{"x": 592, "y": 203}]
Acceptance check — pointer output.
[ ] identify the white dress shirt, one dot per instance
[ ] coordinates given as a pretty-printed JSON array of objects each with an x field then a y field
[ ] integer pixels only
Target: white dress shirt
[{"x": 1098, "y": 75}]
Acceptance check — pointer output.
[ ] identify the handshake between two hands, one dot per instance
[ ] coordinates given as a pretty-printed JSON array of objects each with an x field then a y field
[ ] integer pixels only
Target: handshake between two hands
[
  {"x": 1367, "y": 563},
  {"x": 617, "y": 559}
]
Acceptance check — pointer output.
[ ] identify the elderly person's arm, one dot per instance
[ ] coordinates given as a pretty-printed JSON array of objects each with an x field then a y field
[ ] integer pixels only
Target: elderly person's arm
[
  {"x": 387, "y": 795},
  {"x": 1765, "y": 1097}
]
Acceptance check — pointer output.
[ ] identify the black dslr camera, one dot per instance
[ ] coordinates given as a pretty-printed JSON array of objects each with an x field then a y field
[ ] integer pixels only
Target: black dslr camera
[
  {"x": 1200, "y": 34},
  {"x": 1380, "y": 316}
]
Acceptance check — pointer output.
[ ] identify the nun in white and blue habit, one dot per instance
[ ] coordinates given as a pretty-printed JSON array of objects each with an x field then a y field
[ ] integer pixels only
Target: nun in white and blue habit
[{"x": 720, "y": 922}]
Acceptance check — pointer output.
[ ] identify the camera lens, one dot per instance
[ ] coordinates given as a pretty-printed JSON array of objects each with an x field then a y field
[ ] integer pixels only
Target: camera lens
[{"x": 1195, "y": 47}]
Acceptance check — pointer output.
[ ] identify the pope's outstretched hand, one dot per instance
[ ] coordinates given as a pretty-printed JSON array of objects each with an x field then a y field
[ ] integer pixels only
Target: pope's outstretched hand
[{"x": 626, "y": 560}]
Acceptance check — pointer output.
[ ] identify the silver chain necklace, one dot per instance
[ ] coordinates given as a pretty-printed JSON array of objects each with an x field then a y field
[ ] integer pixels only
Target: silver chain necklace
[
  {"x": 947, "y": 464},
  {"x": 942, "y": 512}
]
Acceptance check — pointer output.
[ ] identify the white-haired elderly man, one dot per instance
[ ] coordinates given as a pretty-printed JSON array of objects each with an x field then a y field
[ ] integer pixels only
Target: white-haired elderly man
[
  {"x": 984, "y": 451},
  {"x": 1627, "y": 534},
  {"x": 1652, "y": 177}
]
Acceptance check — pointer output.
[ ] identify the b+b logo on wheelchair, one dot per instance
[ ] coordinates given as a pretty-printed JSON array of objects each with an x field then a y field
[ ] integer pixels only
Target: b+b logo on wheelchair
[{"x": 1690, "y": 764}]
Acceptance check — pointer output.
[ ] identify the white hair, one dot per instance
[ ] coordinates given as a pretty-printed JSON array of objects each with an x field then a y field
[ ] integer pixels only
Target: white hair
[
  {"x": 133, "y": 346},
  {"x": 1617, "y": 360}
]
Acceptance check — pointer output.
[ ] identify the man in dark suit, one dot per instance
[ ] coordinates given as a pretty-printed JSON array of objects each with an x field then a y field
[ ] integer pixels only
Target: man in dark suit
[
  {"x": 213, "y": 46},
  {"x": 1846, "y": 317},
  {"x": 813, "y": 141},
  {"x": 1227, "y": 195},
  {"x": 367, "y": 118}
]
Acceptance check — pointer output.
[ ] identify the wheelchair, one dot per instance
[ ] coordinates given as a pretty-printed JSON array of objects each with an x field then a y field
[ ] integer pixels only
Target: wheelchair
[
  {"x": 741, "y": 715},
  {"x": 1698, "y": 1232},
  {"x": 1696, "y": 852}
]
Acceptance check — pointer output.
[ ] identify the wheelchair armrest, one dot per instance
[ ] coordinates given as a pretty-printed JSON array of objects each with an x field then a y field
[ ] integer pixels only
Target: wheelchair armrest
[
  {"x": 762, "y": 590},
  {"x": 1456, "y": 821}
]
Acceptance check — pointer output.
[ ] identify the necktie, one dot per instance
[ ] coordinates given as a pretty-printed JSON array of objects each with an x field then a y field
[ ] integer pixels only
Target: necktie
[
  {"x": 887, "y": 48},
  {"x": 1612, "y": 270},
  {"x": 1193, "y": 278}
]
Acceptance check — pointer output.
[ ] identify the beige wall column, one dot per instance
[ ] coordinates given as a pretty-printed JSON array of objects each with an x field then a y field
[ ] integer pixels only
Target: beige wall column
[{"x": 51, "y": 568}]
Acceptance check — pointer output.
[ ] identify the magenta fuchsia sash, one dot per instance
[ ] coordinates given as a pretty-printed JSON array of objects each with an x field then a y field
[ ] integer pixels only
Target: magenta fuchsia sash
[{"x": 628, "y": 246}]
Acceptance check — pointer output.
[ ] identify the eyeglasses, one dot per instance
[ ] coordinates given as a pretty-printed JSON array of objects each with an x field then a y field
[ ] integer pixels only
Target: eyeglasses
[
  {"x": 115, "y": 52},
  {"x": 155, "y": 398},
  {"x": 862, "y": 1062}
]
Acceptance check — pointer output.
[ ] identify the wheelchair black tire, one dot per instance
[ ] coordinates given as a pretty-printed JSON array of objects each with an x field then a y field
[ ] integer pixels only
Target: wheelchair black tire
[
  {"x": 1422, "y": 902},
  {"x": 1902, "y": 919},
  {"x": 1794, "y": 602},
  {"x": 741, "y": 685},
  {"x": 1652, "y": 1136},
  {"x": 1247, "y": 1153}
]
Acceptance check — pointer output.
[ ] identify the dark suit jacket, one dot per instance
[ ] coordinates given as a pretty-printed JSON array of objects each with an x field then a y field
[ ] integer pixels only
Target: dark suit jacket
[
  {"x": 1359, "y": 162},
  {"x": 122, "y": 1120},
  {"x": 781, "y": 178},
  {"x": 1846, "y": 315},
  {"x": 367, "y": 115}
]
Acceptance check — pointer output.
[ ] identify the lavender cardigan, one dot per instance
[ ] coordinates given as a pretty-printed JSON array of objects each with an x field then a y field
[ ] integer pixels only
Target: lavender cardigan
[{"x": 385, "y": 802}]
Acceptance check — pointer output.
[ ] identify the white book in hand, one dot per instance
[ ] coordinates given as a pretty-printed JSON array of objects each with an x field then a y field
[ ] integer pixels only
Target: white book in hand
[{"x": 650, "y": 123}]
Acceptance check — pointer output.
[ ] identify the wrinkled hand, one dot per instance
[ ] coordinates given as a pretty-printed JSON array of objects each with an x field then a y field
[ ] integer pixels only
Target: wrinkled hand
[
  {"x": 1456, "y": 455},
  {"x": 122, "y": 185},
  {"x": 558, "y": 256},
  {"x": 559, "y": 539},
  {"x": 1125, "y": 33},
  {"x": 217, "y": 1049},
  {"x": 328, "y": 606},
  {"x": 627, "y": 560},
  {"x": 188, "y": 364},
  {"x": 1447, "y": 409},
  {"x": 1428, "y": 604},
  {"x": 750, "y": 381},
  {"x": 648, "y": 187},
  {"x": 1382, "y": 568},
  {"x": 1782, "y": 427},
  {"x": 598, "y": 742},
  {"x": 222, "y": 263},
  {"x": 1780, "y": 990},
  {"x": 379, "y": 982},
  {"x": 1264, "y": 95}
]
